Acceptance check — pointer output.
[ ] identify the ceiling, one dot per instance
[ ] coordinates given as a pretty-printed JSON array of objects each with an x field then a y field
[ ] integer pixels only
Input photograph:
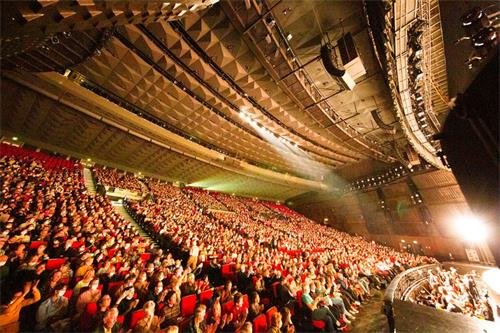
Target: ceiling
[{"x": 193, "y": 67}]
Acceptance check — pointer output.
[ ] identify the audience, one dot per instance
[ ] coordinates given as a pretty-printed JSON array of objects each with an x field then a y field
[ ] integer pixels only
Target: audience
[
  {"x": 97, "y": 273},
  {"x": 117, "y": 179},
  {"x": 453, "y": 292}
]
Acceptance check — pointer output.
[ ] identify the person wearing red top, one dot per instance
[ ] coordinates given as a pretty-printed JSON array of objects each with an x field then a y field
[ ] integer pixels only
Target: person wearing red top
[{"x": 239, "y": 313}]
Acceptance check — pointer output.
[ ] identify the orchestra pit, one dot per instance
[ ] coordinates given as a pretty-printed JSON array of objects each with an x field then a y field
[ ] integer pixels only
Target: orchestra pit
[{"x": 208, "y": 166}]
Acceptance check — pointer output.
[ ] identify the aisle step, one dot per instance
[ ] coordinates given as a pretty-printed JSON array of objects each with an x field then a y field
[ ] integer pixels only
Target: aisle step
[
  {"x": 89, "y": 181},
  {"x": 118, "y": 206}
]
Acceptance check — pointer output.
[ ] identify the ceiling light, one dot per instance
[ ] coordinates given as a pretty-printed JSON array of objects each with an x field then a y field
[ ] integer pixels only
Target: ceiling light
[
  {"x": 289, "y": 36},
  {"x": 88, "y": 159},
  {"x": 14, "y": 138}
]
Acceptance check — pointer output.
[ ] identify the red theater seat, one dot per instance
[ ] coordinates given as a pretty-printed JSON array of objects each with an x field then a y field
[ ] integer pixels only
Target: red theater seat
[
  {"x": 319, "y": 324},
  {"x": 135, "y": 317},
  {"x": 269, "y": 314},
  {"x": 54, "y": 263},
  {"x": 260, "y": 324},
  {"x": 206, "y": 296},
  {"x": 227, "y": 307},
  {"x": 145, "y": 257},
  {"x": 34, "y": 245},
  {"x": 188, "y": 304}
]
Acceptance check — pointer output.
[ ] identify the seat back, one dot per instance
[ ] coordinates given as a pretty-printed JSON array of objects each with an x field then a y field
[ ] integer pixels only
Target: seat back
[
  {"x": 188, "y": 304},
  {"x": 260, "y": 324},
  {"x": 135, "y": 317},
  {"x": 227, "y": 307},
  {"x": 318, "y": 324},
  {"x": 269, "y": 314},
  {"x": 54, "y": 263},
  {"x": 206, "y": 296}
]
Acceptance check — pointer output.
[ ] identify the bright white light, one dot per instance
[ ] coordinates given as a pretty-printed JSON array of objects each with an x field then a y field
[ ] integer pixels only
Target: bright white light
[
  {"x": 492, "y": 279},
  {"x": 470, "y": 228}
]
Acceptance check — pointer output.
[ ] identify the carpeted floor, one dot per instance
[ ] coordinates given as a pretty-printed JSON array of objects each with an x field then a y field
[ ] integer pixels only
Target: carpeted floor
[{"x": 370, "y": 317}]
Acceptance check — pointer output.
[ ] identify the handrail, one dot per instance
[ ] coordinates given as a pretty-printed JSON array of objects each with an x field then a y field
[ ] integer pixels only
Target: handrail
[{"x": 397, "y": 287}]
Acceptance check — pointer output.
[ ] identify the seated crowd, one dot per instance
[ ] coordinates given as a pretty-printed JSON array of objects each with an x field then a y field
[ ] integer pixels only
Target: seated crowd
[
  {"x": 204, "y": 199},
  {"x": 69, "y": 262},
  {"x": 453, "y": 292},
  {"x": 117, "y": 179}
]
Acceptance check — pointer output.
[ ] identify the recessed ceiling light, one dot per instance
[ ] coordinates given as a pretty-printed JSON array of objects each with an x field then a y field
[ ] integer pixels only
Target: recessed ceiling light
[
  {"x": 289, "y": 36},
  {"x": 14, "y": 138}
]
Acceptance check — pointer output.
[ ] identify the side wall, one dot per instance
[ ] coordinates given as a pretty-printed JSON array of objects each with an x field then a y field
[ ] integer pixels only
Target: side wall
[{"x": 399, "y": 221}]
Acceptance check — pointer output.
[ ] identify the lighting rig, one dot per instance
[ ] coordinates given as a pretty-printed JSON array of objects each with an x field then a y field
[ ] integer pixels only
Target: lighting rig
[
  {"x": 480, "y": 27},
  {"x": 383, "y": 178},
  {"x": 416, "y": 75}
]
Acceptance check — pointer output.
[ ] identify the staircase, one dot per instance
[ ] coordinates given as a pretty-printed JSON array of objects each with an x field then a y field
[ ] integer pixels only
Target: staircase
[
  {"x": 118, "y": 206},
  {"x": 89, "y": 181}
]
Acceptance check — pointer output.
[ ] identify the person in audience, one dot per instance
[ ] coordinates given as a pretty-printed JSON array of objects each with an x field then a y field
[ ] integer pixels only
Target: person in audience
[
  {"x": 197, "y": 324},
  {"x": 149, "y": 323},
  {"x": 189, "y": 287},
  {"x": 246, "y": 328},
  {"x": 9, "y": 314},
  {"x": 239, "y": 313},
  {"x": 286, "y": 318},
  {"x": 109, "y": 323},
  {"x": 172, "y": 310},
  {"x": 255, "y": 308},
  {"x": 276, "y": 323},
  {"x": 53, "y": 309},
  {"x": 91, "y": 295}
]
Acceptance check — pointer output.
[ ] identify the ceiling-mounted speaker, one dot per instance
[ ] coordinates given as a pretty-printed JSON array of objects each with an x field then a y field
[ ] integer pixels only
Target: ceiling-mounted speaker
[
  {"x": 327, "y": 58},
  {"x": 381, "y": 124}
]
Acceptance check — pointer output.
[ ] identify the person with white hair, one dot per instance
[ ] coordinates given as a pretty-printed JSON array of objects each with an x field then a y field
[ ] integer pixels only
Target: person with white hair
[{"x": 150, "y": 323}]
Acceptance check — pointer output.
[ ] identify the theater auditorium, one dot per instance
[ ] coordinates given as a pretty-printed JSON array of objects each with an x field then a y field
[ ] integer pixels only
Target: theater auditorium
[{"x": 261, "y": 166}]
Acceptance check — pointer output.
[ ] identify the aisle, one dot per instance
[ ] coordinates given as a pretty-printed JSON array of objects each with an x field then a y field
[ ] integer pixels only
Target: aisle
[
  {"x": 370, "y": 317},
  {"x": 118, "y": 206}
]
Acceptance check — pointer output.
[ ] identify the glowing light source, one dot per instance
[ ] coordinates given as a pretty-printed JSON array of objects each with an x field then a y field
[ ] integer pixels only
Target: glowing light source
[
  {"x": 470, "y": 228},
  {"x": 14, "y": 138}
]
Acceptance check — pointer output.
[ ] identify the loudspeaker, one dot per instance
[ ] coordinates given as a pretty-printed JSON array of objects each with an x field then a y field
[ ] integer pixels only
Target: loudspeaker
[
  {"x": 381, "y": 123},
  {"x": 347, "y": 49},
  {"x": 326, "y": 57}
]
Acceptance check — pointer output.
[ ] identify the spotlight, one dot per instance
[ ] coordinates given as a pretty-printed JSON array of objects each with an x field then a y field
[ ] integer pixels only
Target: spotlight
[
  {"x": 416, "y": 74},
  {"x": 474, "y": 20},
  {"x": 14, "y": 138},
  {"x": 472, "y": 16},
  {"x": 486, "y": 37},
  {"x": 289, "y": 37},
  {"x": 470, "y": 228}
]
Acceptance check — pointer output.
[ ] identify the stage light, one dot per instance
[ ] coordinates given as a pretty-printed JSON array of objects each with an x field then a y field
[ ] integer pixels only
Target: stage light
[
  {"x": 485, "y": 37},
  {"x": 470, "y": 228},
  {"x": 472, "y": 16}
]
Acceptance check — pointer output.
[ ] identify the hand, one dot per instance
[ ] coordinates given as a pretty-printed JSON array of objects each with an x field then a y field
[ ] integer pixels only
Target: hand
[{"x": 35, "y": 284}]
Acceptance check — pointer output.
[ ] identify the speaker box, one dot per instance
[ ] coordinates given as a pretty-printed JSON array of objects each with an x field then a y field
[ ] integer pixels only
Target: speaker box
[
  {"x": 347, "y": 49},
  {"x": 331, "y": 68}
]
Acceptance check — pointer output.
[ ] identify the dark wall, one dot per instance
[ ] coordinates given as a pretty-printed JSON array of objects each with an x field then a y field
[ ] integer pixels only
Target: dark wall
[{"x": 400, "y": 217}]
